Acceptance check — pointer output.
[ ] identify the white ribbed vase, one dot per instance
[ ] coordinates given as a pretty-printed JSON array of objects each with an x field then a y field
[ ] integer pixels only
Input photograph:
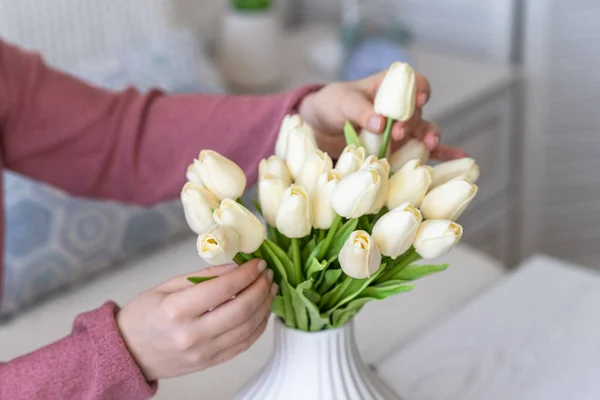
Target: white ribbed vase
[{"x": 317, "y": 366}]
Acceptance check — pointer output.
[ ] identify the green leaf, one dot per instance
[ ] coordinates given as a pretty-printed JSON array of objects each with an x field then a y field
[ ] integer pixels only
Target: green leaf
[
  {"x": 351, "y": 135},
  {"x": 342, "y": 315},
  {"x": 290, "y": 313},
  {"x": 278, "y": 307},
  {"x": 397, "y": 265},
  {"x": 346, "y": 291},
  {"x": 275, "y": 262},
  {"x": 341, "y": 236},
  {"x": 298, "y": 307},
  {"x": 308, "y": 249},
  {"x": 385, "y": 290},
  {"x": 329, "y": 278},
  {"x": 324, "y": 245},
  {"x": 315, "y": 267},
  {"x": 415, "y": 271},
  {"x": 317, "y": 321},
  {"x": 199, "y": 279},
  {"x": 313, "y": 296}
]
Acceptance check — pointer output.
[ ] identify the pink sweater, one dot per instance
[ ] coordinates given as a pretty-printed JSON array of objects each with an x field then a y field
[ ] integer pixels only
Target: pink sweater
[{"x": 121, "y": 146}]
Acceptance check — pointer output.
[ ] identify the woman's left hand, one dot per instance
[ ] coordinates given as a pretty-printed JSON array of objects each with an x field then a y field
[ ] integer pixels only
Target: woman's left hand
[{"x": 328, "y": 109}]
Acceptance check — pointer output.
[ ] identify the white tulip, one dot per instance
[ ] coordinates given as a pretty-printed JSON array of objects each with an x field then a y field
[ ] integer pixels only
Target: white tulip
[
  {"x": 192, "y": 176},
  {"x": 289, "y": 123},
  {"x": 350, "y": 160},
  {"x": 397, "y": 94},
  {"x": 356, "y": 194},
  {"x": 294, "y": 218},
  {"x": 449, "y": 200},
  {"x": 248, "y": 228},
  {"x": 274, "y": 167},
  {"x": 316, "y": 164},
  {"x": 395, "y": 231},
  {"x": 372, "y": 142},
  {"x": 382, "y": 167},
  {"x": 323, "y": 213},
  {"x": 218, "y": 245},
  {"x": 437, "y": 237},
  {"x": 221, "y": 176},
  {"x": 414, "y": 149},
  {"x": 410, "y": 184},
  {"x": 198, "y": 204},
  {"x": 270, "y": 193},
  {"x": 463, "y": 167},
  {"x": 359, "y": 258},
  {"x": 300, "y": 143}
]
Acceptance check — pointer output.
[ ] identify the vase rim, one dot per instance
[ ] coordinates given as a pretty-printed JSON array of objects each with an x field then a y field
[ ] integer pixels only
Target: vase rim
[{"x": 346, "y": 326}]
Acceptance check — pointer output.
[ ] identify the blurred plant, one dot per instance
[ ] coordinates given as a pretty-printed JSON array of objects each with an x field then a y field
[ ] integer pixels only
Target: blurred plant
[{"x": 251, "y": 5}]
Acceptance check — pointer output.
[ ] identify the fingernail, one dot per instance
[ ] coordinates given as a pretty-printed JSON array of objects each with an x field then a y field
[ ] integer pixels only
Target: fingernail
[
  {"x": 274, "y": 289},
  {"x": 432, "y": 141},
  {"x": 374, "y": 124},
  {"x": 262, "y": 265},
  {"x": 422, "y": 99},
  {"x": 270, "y": 275}
]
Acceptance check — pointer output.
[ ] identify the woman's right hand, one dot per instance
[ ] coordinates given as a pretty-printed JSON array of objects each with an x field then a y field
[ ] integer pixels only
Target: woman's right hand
[{"x": 178, "y": 328}]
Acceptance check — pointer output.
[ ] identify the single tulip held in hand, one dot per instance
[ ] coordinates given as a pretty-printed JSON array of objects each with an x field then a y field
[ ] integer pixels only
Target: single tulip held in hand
[{"x": 397, "y": 94}]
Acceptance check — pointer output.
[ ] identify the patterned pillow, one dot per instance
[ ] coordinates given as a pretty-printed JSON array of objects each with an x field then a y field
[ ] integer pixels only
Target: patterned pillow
[{"x": 52, "y": 240}]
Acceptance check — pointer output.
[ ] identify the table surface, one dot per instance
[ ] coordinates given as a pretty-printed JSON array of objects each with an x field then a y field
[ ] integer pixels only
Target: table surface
[{"x": 534, "y": 336}]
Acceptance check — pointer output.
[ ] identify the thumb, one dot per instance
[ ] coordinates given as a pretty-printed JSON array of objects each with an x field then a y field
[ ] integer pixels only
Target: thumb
[{"x": 358, "y": 109}]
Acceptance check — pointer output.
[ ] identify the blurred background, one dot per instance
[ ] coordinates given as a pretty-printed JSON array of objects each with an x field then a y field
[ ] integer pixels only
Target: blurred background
[{"x": 515, "y": 83}]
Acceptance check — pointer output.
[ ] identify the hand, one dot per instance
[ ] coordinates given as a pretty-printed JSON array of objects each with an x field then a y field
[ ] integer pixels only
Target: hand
[
  {"x": 178, "y": 327},
  {"x": 327, "y": 110}
]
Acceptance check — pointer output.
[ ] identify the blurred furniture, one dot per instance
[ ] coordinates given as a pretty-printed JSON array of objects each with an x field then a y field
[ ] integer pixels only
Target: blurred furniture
[
  {"x": 562, "y": 129},
  {"x": 534, "y": 336},
  {"x": 473, "y": 102},
  {"x": 380, "y": 327}
]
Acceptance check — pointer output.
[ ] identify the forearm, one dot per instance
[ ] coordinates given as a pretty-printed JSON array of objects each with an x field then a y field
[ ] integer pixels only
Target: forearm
[
  {"x": 123, "y": 146},
  {"x": 91, "y": 363}
]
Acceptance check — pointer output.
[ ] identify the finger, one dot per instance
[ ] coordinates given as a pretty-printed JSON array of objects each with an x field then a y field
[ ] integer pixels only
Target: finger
[
  {"x": 447, "y": 153},
  {"x": 239, "y": 348},
  {"x": 423, "y": 90},
  {"x": 429, "y": 133},
  {"x": 243, "y": 331},
  {"x": 198, "y": 299},
  {"x": 401, "y": 130},
  {"x": 236, "y": 311},
  {"x": 180, "y": 282},
  {"x": 357, "y": 108}
]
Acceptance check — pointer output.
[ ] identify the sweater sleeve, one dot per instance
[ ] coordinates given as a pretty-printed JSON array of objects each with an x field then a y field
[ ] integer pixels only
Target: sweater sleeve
[
  {"x": 124, "y": 146},
  {"x": 91, "y": 363}
]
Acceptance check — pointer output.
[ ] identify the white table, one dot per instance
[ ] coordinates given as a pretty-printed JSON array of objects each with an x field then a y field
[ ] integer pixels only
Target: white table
[{"x": 535, "y": 336}]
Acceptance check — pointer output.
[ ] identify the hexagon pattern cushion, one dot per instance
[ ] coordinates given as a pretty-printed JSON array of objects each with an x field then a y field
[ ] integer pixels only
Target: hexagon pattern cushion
[{"x": 52, "y": 240}]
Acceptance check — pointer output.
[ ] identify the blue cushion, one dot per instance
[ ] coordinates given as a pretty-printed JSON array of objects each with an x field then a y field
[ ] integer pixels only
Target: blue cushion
[{"x": 52, "y": 240}]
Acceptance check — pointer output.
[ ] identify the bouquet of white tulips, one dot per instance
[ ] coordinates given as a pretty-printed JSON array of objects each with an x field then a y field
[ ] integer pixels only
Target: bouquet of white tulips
[{"x": 336, "y": 236}]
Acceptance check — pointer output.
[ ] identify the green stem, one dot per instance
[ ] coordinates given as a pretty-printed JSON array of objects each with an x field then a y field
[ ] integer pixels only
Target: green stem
[
  {"x": 239, "y": 259},
  {"x": 387, "y": 134},
  {"x": 297, "y": 260},
  {"x": 410, "y": 257},
  {"x": 329, "y": 238}
]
